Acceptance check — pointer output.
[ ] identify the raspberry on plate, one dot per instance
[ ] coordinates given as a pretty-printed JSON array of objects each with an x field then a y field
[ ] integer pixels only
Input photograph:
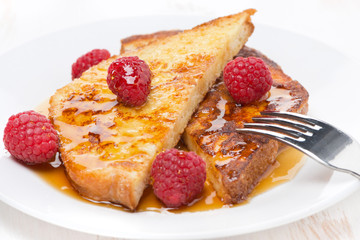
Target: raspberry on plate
[
  {"x": 88, "y": 60},
  {"x": 129, "y": 78},
  {"x": 247, "y": 79},
  {"x": 178, "y": 177},
  {"x": 30, "y": 137}
]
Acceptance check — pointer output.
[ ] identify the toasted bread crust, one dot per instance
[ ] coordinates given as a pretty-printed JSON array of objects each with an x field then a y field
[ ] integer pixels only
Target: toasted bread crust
[
  {"x": 237, "y": 161},
  {"x": 135, "y": 42},
  {"x": 108, "y": 148}
]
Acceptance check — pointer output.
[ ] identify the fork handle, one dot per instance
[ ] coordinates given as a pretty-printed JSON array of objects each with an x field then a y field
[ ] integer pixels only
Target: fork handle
[{"x": 348, "y": 160}]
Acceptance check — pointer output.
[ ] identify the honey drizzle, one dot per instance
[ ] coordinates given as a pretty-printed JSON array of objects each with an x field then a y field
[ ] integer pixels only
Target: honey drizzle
[{"x": 287, "y": 164}]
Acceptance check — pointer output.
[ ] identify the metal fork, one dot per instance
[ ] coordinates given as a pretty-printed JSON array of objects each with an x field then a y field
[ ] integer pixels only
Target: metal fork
[{"x": 317, "y": 139}]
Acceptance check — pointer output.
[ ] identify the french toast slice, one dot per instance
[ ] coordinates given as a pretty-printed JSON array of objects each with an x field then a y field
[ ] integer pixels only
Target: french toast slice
[
  {"x": 108, "y": 148},
  {"x": 235, "y": 161}
]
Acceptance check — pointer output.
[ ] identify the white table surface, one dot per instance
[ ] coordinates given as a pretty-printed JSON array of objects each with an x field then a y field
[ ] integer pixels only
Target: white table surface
[{"x": 336, "y": 23}]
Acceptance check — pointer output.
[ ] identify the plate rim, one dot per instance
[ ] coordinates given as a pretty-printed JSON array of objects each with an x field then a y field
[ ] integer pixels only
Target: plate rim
[{"x": 281, "y": 222}]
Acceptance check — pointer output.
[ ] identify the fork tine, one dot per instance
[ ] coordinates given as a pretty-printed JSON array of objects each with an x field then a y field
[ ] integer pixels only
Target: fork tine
[
  {"x": 286, "y": 122},
  {"x": 279, "y": 128},
  {"x": 293, "y": 141},
  {"x": 295, "y": 116}
]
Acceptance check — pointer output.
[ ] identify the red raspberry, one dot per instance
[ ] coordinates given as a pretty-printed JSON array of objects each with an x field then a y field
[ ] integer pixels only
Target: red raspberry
[
  {"x": 178, "y": 177},
  {"x": 88, "y": 60},
  {"x": 30, "y": 137},
  {"x": 247, "y": 79},
  {"x": 129, "y": 78}
]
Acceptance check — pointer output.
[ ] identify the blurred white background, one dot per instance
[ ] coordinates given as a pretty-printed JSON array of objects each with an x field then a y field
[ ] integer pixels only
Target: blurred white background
[{"x": 335, "y": 23}]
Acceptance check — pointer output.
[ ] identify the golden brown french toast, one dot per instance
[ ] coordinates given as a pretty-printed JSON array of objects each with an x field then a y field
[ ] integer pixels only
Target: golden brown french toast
[
  {"x": 136, "y": 42},
  {"x": 235, "y": 162},
  {"x": 108, "y": 148}
]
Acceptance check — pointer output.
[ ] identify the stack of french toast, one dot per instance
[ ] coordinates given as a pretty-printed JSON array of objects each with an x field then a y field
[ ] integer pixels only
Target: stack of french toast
[{"x": 108, "y": 148}]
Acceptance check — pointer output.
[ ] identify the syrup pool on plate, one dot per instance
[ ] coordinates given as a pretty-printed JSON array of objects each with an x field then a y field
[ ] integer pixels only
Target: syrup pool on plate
[{"x": 287, "y": 164}]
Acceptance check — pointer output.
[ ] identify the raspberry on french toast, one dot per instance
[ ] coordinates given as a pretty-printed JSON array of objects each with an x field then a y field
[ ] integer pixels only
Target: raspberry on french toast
[
  {"x": 108, "y": 148},
  {"x": 235, "y": 161}
]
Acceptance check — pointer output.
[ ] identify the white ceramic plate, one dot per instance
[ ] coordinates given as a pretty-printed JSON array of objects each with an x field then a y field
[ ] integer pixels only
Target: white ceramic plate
[{"x": 32, "y": 72}]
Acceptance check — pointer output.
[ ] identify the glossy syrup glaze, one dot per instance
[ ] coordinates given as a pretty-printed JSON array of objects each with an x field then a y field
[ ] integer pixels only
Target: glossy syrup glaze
[
  {"x": 288, "y": 163},
  {"x": 215, "y": 122},
  {"x": 284, "y": 169},
  {"x": 213, "y": 126}
]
